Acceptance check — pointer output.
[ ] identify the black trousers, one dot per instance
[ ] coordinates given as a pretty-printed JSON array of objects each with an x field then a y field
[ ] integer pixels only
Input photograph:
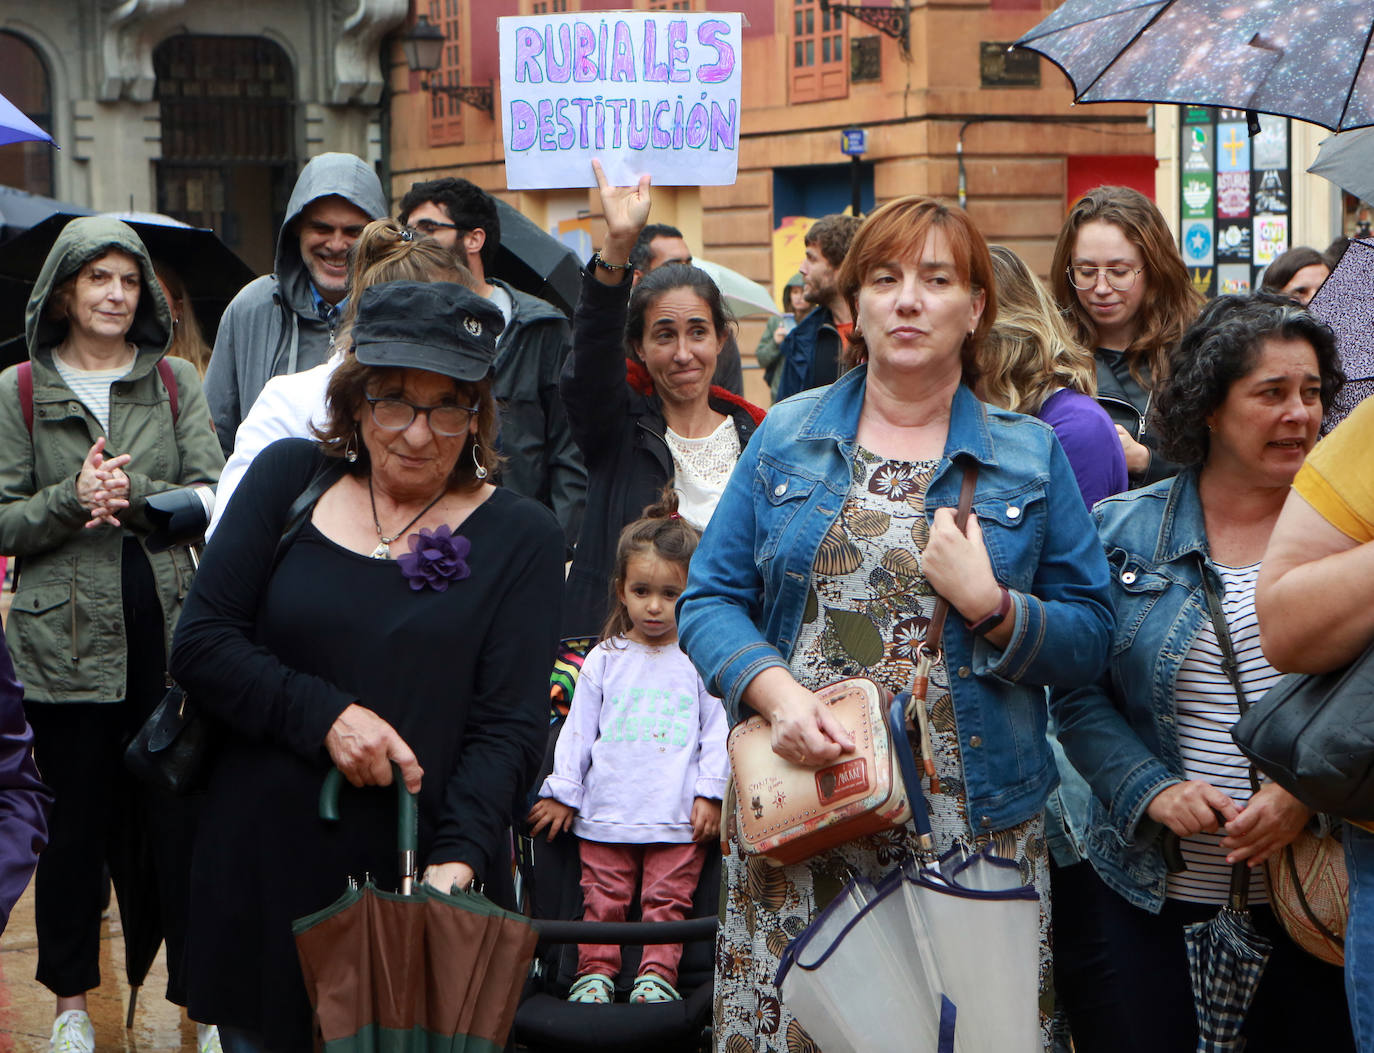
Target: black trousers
[
  {"x": 103, "y": 818},
  {"x": 1142, "y": 999}
]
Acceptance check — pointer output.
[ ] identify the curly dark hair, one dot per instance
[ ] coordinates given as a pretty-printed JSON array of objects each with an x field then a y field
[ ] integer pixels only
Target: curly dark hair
[
  {"x": 1219, "y": 348},
  {"x": 467, "y": 205}
]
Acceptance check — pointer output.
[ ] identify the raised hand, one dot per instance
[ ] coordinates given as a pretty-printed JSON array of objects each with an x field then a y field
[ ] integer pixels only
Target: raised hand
[{"x": 626, "y": 209}]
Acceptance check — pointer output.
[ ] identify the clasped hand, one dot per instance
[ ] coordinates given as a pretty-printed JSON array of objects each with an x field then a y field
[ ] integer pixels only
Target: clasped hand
[
  {"x": 101, "y": 485},
  {"x": 956, "y": 564},
  {"x": 1271, "y": 819}
]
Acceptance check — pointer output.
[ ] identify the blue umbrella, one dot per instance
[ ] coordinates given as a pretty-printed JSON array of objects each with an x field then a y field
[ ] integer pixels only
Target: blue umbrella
[{"x": 16, "y": 128}]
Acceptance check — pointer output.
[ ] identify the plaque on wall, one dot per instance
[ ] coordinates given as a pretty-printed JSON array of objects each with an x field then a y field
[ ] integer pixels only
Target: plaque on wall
[{"x": 1000, "y": 66}]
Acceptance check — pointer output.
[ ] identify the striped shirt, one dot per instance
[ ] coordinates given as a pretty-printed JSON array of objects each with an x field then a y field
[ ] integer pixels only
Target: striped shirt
[
  {"x": 1205, "y": 706},
  {"x": 92, "y": 387}
]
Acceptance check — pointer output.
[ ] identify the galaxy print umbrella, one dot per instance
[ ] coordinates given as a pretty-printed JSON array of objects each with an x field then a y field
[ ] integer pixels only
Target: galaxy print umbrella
[
  {"x": 1345, "y": 302},
  {"x": 1306, "y": 59}
]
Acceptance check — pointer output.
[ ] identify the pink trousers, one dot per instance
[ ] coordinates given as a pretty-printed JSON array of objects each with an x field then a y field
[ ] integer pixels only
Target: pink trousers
[{"x": 669, "y": 880}]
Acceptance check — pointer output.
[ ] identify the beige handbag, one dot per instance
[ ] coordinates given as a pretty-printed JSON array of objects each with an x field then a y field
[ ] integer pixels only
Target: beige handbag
[{"x": 787, "y": 812}]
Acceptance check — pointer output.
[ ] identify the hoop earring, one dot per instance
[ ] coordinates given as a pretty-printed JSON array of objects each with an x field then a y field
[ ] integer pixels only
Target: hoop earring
[
  {"x": 351, "y": 448},
  {"x": 481, "y": 469}
]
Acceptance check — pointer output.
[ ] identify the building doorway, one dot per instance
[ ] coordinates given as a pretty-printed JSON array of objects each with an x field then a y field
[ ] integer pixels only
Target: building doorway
[{"x": 228, "y": 138}]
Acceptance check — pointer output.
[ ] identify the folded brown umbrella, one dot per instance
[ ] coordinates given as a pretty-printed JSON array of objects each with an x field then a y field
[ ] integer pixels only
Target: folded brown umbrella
[{"x": 422, "y": 970}]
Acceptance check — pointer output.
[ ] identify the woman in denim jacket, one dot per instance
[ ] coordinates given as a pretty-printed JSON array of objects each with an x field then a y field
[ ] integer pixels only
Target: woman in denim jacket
[
  {"x": 823, "y": 560},
  {"x": 1241, "y": 408}
]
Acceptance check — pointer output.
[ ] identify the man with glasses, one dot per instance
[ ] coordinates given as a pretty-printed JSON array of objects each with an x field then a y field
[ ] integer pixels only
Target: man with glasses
[
  {"x": 542, "y": 461},
  {"x": 284, "y": 322}
]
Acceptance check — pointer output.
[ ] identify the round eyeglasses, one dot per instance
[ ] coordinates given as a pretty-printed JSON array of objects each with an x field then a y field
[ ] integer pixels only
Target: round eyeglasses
[
  {"x": 393, "y": 414},
  {"x": 1119, "y": 277}
]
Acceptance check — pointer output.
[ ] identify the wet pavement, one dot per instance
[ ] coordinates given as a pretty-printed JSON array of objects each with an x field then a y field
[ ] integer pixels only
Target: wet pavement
[{"x": 26, "y": 1006}]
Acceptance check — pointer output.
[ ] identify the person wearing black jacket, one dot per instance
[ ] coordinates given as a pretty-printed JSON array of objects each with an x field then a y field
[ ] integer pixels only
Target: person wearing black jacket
[
  {"x": 1120, "y": 280},
  {"x": 632, "y": 418}
]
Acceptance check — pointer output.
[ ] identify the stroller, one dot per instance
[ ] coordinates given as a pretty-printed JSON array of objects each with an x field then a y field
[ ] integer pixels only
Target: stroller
[{"x": 549, "y": 875}]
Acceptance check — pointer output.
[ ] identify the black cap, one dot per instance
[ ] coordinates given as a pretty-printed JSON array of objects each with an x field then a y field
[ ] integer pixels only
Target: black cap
[{"x": 440, "y": 327}]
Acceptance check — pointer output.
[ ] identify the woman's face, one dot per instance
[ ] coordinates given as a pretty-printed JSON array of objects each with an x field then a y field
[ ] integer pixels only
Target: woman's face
[
  {"x": 1304, "y": 285},
  {"x": 105, "y": 296},
  {"x": 1269, "y": 420},
  {"x": 680, "y": 346},
  {"x": 1115, "y": 260},
  {"x": 414, "y": 462},
  {"x": 797, "y": 302},
  {"x": 915, "y": 313}
]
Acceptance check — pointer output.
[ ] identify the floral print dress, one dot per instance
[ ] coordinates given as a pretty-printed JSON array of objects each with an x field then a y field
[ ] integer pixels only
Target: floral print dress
[{"x": 866, "y": 615}]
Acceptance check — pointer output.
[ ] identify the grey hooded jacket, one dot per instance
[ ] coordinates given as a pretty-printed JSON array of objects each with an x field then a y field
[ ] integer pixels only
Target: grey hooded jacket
[
  {"x": 272, "y": 326},
  {"x": 66, "y": 629}
]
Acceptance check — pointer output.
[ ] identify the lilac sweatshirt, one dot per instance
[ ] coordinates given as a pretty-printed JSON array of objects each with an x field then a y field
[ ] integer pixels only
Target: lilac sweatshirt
[{"x": 643, "y": 740}]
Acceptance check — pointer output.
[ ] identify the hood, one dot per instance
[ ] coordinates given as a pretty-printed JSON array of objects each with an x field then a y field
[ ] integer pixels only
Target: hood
[
  {"x": 83, "y": 240},
  {"x": 796, "y": 281},
  {"x": 340, "y": 175}
]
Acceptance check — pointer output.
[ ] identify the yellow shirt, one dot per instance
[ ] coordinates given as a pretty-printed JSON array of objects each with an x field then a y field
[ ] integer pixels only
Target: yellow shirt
[
  {"x": 1336, "y": 482},
  {"x": 1338, "y": 476}
]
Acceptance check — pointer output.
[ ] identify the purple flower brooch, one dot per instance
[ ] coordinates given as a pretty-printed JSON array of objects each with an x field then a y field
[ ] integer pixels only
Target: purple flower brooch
[{"x": 436, "y": 557}]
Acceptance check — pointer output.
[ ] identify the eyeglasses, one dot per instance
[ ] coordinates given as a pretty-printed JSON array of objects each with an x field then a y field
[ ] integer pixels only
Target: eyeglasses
[
  {"x": 1119, "y": 277},
  {"x": 432, "y": 226},
  {"x": 393, "y": 414}
]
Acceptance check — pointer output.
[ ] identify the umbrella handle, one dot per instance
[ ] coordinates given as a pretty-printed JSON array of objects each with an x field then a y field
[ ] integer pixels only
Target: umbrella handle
[{"x": 407, "y": 819}]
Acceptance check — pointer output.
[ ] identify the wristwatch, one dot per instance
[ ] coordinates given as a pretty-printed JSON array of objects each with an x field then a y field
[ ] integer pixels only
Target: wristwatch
[{"x": 985, "y": 625}]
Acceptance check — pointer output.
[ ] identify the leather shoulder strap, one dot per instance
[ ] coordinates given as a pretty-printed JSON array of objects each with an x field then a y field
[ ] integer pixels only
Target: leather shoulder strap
[
  {"x": 936, "y": 632},
  {"x": 169, "y": 381}
]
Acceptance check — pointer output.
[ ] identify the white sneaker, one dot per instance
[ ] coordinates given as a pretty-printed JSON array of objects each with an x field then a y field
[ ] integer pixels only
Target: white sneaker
[
  {"x": 72, "y": 1032},
  {"x": 207, "y": 1039}
]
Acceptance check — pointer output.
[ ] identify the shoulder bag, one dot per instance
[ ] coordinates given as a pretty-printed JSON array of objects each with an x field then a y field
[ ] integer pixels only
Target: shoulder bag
[
  {"x": 787, "y": 812},
  {"x": 174, "y": 748},
  {"x": 1309, "y": 889}
]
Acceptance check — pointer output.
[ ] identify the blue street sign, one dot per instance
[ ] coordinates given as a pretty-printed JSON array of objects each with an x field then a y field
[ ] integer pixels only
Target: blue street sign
[{"x": 853, "y": 142}]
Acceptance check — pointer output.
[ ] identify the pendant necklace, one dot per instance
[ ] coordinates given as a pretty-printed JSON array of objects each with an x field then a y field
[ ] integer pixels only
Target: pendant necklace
[{"x": 383, "y": 549}]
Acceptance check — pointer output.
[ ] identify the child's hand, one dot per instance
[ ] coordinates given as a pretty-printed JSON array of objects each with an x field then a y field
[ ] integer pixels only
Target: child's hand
[
  {"x": 705, "y": 819},
  {"x": 558, "y": 817}
]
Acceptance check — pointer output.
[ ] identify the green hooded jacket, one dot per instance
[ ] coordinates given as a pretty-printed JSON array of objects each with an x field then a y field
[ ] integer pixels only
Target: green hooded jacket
[{"x": 66, "y": 625}]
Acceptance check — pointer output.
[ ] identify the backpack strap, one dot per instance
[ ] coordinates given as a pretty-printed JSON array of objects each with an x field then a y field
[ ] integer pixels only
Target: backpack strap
[
  {"x": 24, "y": 375},
  {"x": 169, "y": 381}
]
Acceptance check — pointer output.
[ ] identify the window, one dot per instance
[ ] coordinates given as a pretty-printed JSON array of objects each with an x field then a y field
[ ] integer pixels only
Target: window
[
  {"x": 24, "y": 81},
  {"x": 670, "y": 5},
  {"x": 819, "y": 53},
  {"x": 549, "y": 7},
  {"x": 445, "y": 111}
]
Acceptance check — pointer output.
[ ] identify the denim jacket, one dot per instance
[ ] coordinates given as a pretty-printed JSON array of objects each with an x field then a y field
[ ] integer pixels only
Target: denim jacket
[
  {"x": 750, "y": 576},
  {"x": 1121, "y": 733}
]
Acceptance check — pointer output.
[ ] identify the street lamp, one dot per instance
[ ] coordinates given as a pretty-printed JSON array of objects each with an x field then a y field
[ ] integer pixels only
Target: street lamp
[{"x": 424, "y": 47}]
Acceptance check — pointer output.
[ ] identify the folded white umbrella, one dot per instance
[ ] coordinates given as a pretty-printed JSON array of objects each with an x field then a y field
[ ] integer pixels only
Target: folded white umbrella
[{"x": 743, "y": 296}]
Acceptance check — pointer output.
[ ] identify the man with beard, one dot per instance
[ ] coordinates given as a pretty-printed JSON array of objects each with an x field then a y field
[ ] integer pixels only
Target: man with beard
[
  {"x": 284, "y": 322},
  {"x": 812, "y": 353}
]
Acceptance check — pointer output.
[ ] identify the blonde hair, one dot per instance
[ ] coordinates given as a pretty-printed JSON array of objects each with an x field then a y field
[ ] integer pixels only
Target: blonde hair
[
  {"x": 1029, "y": 353},
  {"x": 388, "y": 252},
  {"x": 188, "y": 341}
]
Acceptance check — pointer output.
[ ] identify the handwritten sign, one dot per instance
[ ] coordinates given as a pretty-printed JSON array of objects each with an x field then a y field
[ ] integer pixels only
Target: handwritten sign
[{"x": 643, "y": 92}]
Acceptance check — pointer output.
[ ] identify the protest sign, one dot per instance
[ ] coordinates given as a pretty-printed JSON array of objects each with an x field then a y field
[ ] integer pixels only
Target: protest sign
[{"x": 655, "y": 92}]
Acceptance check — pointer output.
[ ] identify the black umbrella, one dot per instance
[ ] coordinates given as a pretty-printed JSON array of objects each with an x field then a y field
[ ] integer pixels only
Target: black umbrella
[
  {"x": 209, "y": 267},
  {"x": 212, "y": 272},
  {"x": 536, "y": 262},
  {"x": 20, "y": 210},
  {"x": 1309, "y": 61},
  {"x": 1226, "y": 958},
  {"x": 1345, "y": 302}
]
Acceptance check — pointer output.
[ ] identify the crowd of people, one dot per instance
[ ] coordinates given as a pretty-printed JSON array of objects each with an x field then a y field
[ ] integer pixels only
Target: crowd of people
[{"x": 426, "y": 478}]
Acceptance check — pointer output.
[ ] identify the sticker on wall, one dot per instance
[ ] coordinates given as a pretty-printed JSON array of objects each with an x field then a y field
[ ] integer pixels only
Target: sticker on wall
[
  {"x": 1271, "y": 191},
  {"x": 1233, "y": 278},
  {"x": 1233, "y": 195},
  {"x": 1270, "y": 147},
  {"x": 1233, "y": 242},
  {"x": 1203, "y": 279},
  {"x": 1271, "y": 239},
  {"x": 1197, "y": 242},
  {"x": 1197, "y": 148},
  {"x": 1233, "y": 148},
  {"x": 1197, "y": 196}
]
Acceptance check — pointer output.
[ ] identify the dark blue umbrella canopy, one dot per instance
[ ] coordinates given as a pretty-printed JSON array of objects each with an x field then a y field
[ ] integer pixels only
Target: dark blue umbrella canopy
[{"x": 1306, "y": 59}]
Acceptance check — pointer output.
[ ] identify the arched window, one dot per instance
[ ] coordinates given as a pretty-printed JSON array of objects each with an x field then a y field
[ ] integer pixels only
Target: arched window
[{"x": 24, "y": 81}]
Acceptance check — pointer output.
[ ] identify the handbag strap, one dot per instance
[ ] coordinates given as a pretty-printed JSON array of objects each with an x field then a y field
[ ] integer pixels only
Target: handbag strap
[
  {"x": 299, "y": 512},
  {"x": 936, "y": 630},
  {"x": 1231, "y": 667}
]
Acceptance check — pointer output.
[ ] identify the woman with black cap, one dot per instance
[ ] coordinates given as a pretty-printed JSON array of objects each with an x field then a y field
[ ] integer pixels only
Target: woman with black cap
[{"x": 411, "y": 616}]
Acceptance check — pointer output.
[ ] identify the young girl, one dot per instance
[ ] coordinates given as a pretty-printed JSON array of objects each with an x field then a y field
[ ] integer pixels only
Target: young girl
[{"x": 640, "y": 765}]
